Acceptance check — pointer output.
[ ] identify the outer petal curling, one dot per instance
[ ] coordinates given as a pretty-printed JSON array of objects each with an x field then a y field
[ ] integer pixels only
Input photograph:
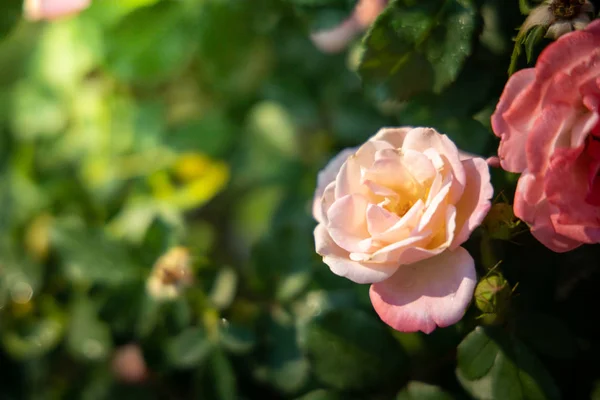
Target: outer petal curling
[{"x": 421, "y": 296}]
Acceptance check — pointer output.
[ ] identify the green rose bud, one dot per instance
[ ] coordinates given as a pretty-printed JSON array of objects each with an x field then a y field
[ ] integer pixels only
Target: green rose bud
[
  {"x": 501, "y": 221},
  {"x": 492, "y": 297}
]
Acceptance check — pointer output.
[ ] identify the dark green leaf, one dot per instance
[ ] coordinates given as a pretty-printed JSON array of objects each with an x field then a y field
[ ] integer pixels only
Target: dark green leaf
[
  {"x": 89, "y": 339},
  {"x": 422, "y": 391},
  {"x": 534, "y": 36},
  {"x": 321, "y": 394},
  {"x": 151, "y": 43},
  {"x": 90, "y": 257},
  {"x": 284, "y": 366},
  {"x": 35, "y": 340},
  {"x": 416, "y": 47},
  {"x": 224, "y": 376},
  {"x": 349, "y": 349},
  {"x": 237, "y": 338},
  {"x": 9, "y": 16},
  {"x": 492, "y": 365},
  {"x": 188, "y": 349}
]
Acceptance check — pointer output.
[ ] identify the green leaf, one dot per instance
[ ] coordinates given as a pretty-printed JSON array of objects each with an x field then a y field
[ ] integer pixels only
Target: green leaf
[
  {"x": 534, "y": 36},
  {"x": 212, "y": 134},
  {"x": 422, "y": 391},
  {"x": 237, "y": 339},
  {"x": 35, "y": 340},
  {"x": 10, "y": 15},
  {"x": 452, "y": 112},
  {"x": 151, "y": 43},
  {"x": 284, "y": 366},
  {"x": 349, "y": 349},
  {"x": 89, "y": 339},
  {"x": 224, "y": 288},
  {"x": 416, "y": 47},
  {"x": 224, "y": 377},
  {"x": 238, "y": 68},
  {"x": 90, "y": 257},
  {"x": 321, "y": 394},
  {"x": 188, "y": 349},
  {"x": 492, "y": 365}
]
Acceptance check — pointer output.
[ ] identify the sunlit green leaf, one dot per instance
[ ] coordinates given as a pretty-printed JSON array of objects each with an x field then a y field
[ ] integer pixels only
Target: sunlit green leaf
[{"x": 416, "y": 47}]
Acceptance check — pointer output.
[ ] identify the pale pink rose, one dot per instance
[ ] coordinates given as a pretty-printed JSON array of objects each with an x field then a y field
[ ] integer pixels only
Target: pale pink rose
[
  {"x": 394, "y": 213},
  {"x": 52, "y": 9},
  {"x": 549, "y": 126},
  {"x": 336, "y": 39}
]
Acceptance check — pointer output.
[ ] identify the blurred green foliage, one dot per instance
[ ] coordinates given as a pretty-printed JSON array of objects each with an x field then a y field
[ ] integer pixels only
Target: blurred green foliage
[{"x": 143, "y": 126}]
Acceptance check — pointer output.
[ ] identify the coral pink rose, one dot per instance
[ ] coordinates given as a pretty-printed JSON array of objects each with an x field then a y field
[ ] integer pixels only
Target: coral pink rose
[
  {"x": 52, "y": 9},
  {"x": 549, "y": 126},
  {"x": 394, "y": 213},
  {"x": 336, "y": 39}
]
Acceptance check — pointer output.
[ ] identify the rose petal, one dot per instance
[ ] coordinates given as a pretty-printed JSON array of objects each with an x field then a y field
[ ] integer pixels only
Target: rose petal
[
  {"x": 322, "y": 204},
  {"x": 404, "y": 227},
  {"x": 366, "y": 11},
  {"x": 437, "y": 243},
  {"x": 336, "y": 39},
  {"x": 395, "y": 251},
  {"x": 421, "y": 139},
  {"x": 544, "y": 230},
  {"x": 340, "y": 263},
  {"x": 567, "y": 186},
  {"x": 347, "y": 223},
  {"x": 421, "y": 296},
  {"x": 511, "y": 122},
  {"x": 475, "y": 202},
  {"x": 379, "y": 219},
  {"x": 551, "y": 130},
  {"x": 53, "y": 9},
  {"x": 393, "y": 136}
]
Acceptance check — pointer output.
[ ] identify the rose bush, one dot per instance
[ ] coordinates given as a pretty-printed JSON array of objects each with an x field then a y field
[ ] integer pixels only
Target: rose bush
[
  {"x": 394, "y": 213},
  {"x": 548, "y": 122}
]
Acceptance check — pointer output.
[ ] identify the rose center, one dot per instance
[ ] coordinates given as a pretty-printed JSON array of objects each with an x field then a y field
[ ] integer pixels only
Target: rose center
[{"x": 566, "y": 9}]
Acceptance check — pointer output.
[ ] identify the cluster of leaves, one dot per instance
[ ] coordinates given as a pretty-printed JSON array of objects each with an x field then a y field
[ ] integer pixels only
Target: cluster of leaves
[{"x": 141, "y": 125}]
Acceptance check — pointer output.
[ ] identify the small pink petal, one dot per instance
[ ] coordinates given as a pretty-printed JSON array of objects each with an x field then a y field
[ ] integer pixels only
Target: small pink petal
[
  {"x": 321, "y": 204},
  {"x": 431, "y": 293},
  {"x": 367, "y": 11},
  {"x": 493, "y": 161},
  {"x": 347, "y": 181},
  {"x": 52, "y": 9},
  {"x": 475, "y": 202},
  {"x": 336, "y": 39},
  {"x": 393, "y": 136},
  {"x": 511, "y": 120}
]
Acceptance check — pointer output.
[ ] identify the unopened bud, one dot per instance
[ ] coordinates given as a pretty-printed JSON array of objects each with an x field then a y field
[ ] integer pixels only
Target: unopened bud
[
  {"x": 500, "y": 221},
  {"x": 492, "y": 297},
  {"x": 170, "y": 274},
  {"x": 128, "y": 364}
]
